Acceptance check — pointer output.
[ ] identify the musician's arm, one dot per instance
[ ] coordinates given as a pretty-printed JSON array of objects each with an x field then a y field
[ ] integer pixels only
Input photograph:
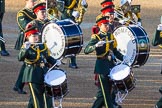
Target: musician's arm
[
  {"x": 91, "y": 45},
  {"x": 51, "y": 60},
  {"x": 22, "y": 54},
  {"x": 21, "y": 20},
  {"x": 117, "y": 54},
  {"x": 156, "y": 38}
]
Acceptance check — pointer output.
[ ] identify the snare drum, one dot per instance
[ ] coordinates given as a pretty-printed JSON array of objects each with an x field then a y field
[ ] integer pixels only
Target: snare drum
[
  {"x": 133, "y": 42},
  {"x": 56, "y": 83},
  {"x": 122, "y": 78},
  {"x": 63, "y": 38}
]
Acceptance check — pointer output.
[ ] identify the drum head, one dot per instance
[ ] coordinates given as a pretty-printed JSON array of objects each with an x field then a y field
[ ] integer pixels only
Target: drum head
[
  {"x": 55, "y": 77},
  {"x": 126, "y": 42},
  {"x": 54, "y": 37},
  {"x": 119, "y": 72},
  {"x": 131, "y": 41}
]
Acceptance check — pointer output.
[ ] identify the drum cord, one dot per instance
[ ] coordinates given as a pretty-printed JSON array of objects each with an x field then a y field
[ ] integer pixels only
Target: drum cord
[
  {"x": 121, "y": 96},
  {"x": 103, "y": 92},
  {"x": 54, "y": 65}
]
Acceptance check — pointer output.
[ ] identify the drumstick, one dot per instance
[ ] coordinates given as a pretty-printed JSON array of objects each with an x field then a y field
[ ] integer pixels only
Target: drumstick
[{"x": 54, "y": 65}]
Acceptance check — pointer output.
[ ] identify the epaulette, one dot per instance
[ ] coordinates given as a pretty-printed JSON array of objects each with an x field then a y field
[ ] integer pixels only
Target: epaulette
[
  {"x": 20, "y": 14},
  {"x": 93, "y": 36},
  {"x": 25, "y": 12}
]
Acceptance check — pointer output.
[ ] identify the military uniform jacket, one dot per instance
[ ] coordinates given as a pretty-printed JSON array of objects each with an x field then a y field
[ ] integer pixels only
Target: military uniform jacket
[
  {"x": 103, "y": 63},
  {"x": 35, "y": 59},
  {"x": 68, "y": 9},
  {"x": 24, "y": 16},
  {"x": 2, "y": 6},
  {"x": 157, "y": 38}
]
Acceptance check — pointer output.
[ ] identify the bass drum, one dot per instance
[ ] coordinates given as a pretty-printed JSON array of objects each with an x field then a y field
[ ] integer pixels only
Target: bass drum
[
  {"x": 63, "y": 38},
  {"x": 133, "y": 42}
]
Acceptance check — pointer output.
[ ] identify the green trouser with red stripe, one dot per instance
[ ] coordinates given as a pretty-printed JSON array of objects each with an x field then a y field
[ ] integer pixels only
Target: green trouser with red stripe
[{"x": 104, "y": 97}]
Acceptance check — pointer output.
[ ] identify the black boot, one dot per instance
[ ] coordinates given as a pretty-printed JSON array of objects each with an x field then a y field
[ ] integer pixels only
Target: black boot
[{"x": 20, "y": 91}]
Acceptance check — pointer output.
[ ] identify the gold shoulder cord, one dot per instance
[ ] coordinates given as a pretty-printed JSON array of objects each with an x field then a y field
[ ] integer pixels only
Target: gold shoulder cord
[
  {"x": 37, "y": 58},
  {"x": 115, "y": 43},
  {"x": 106, "y": 48},
  {"x": 72, "y": 5},
  {"x": 21, "y": 11}
]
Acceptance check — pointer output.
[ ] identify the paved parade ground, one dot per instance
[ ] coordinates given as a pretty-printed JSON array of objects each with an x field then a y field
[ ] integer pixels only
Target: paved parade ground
[{"x": 81, "y": 81}]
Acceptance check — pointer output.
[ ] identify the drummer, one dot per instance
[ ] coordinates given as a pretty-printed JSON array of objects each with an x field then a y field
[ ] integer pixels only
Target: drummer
[
  {"x": 40, "y": 11},
  {"x": 107, "y": 10},
  {"x": 36, "y": 58},
  {"x": 126, "y": 15},
  {"x": 157, "y": 41},
  {"x": 104, "y": 44},
  {"x": 53, "y": 12}
]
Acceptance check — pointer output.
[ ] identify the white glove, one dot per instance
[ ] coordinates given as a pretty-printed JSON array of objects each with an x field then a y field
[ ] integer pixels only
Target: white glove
[
  {"x": 159, "y": 27},
  {"x": 75, "y": 14},
  {"x": 83, "y": 2},
  {"x": 27, "y": 45},
  {"x": 122, "y": 22},
  {"x": 100, "y": 43},
  {"x": 58, "y": 62},
  {"x": 139, "y": 23}
]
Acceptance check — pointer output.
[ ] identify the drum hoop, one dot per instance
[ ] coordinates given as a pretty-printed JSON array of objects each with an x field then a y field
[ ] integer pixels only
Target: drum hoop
[
  {"x": 148, "y": 45},
  {"x": 137, "y": 40}
]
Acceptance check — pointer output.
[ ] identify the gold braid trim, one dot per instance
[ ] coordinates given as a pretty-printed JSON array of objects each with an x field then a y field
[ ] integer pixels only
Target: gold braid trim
[
  {"x": 21, "y": 11},
  {"x": 34, "y": 61},
  {"x": 106, "y": 48},
  {"x": 72, "y": 5},
  {"x": 38, "y": 54},
  {"x": 115, "y": 42}
]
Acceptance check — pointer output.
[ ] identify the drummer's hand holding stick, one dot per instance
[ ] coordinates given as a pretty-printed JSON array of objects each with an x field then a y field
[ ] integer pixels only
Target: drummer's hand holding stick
[
  {"x": 58, "y": 63},
  {"x": 27, "y": 45},
  {"x": 159, "y": 27},
  {"x": 100, "y": 43}
]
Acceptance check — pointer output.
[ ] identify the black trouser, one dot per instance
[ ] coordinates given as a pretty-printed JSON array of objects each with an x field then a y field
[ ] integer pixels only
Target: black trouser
[{"x": 2, "y": 45}]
